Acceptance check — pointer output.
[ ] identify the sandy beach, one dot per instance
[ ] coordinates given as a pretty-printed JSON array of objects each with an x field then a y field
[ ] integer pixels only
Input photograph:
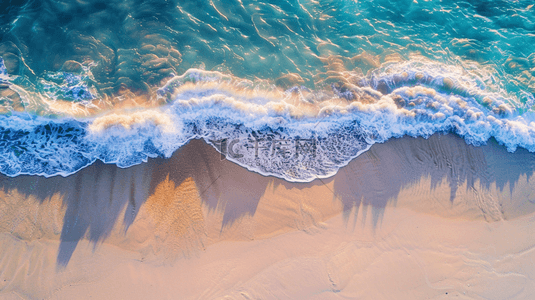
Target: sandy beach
[{"x": 412, "y": 218}]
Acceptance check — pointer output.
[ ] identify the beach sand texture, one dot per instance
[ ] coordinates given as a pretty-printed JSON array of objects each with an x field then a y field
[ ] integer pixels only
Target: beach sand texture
[{"x": 412, "y": 218}]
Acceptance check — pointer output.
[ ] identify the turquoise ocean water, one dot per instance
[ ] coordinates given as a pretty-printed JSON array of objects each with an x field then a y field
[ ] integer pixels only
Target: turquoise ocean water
[{"x": 294, "y": 89}]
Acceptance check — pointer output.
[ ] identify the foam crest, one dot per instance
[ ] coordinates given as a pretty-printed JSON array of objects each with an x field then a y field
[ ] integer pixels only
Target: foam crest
[{"x": 128, "y": 120}]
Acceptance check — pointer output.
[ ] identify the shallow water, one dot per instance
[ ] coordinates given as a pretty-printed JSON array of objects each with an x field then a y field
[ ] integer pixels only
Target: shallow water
[{"x": 294, "y": 89}]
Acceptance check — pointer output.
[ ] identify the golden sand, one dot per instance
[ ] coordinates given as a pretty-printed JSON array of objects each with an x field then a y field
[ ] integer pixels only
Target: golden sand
[
  {"x": 176, "y": 212},
  {"x": 409, "y": 219}
]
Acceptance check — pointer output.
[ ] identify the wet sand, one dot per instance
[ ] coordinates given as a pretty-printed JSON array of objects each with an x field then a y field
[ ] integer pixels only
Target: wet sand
[{"x": 409, "y": 219}]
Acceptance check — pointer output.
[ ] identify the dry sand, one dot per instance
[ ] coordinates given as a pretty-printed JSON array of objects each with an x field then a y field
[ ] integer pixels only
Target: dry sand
[{"x": 409, "y": 219}]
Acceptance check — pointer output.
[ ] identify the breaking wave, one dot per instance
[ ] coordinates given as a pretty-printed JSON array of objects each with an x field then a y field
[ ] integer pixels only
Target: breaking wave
[{"x": 298, "y": 134}]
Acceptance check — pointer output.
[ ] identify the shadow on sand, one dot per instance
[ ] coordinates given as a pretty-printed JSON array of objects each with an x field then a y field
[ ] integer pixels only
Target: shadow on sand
[{"x": 96, "y": 196}]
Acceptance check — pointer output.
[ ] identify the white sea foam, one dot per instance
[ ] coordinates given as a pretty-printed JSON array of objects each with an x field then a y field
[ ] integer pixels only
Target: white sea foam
[{"x": 298, "y": 134}]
